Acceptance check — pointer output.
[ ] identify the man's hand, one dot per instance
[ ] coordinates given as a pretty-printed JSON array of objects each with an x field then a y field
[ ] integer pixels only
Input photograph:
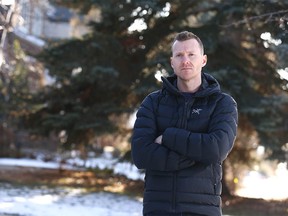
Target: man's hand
[{"x": 159, "y": 140}]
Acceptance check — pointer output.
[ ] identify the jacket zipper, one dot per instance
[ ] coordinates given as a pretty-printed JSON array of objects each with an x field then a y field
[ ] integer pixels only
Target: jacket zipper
[
  {"x": 185, "y": 115},
  {"x": 184, "y": 119}
]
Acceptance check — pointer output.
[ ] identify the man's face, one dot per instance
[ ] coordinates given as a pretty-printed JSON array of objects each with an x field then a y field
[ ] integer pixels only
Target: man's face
[{"x": 187, "y": 59}]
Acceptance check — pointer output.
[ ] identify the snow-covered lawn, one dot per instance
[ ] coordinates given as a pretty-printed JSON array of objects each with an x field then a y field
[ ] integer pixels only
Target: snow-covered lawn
[{"x": 42, "y": 201}]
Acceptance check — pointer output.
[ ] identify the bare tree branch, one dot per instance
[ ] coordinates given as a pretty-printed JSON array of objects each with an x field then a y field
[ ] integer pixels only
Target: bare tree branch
[
  {"x": 268, "y": 17},
  {"x": 6, "y": 27}
]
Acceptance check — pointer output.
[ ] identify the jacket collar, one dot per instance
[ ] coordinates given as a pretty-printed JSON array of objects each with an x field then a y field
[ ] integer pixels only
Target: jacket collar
[{"x": 208, "y": 86}]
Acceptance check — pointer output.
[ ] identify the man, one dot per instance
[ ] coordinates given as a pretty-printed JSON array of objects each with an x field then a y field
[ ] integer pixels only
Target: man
[{"x": 182, "y": 135}]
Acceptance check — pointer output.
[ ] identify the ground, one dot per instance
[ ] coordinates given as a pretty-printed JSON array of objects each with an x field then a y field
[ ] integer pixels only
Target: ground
[{"x": 102, "y": 180}]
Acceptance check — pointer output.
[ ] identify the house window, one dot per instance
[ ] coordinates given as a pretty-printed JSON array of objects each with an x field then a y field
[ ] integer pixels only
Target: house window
[{"x": 33, "y": 18}]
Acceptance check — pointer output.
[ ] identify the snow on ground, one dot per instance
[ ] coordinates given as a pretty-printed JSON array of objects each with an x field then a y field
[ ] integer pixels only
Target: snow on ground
[
  {"x": 42, "y": 201},
  {"x": 36, "y": 201},
  {"x": 23, "y": 162},
  {"x": 122, "y": 168}
]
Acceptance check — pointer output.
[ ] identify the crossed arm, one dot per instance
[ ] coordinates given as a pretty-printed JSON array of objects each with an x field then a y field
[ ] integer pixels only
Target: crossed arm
[{"x": 178, "y": 148}]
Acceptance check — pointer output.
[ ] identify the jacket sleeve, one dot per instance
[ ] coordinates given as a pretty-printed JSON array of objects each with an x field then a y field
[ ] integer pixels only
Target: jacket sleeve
[
  {"x": 147, "y": 154},
  {"x": 213, "y": 146}
]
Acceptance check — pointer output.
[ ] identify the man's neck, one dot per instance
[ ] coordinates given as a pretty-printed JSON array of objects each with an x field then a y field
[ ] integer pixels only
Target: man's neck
[{"x": 190, "y": 86}]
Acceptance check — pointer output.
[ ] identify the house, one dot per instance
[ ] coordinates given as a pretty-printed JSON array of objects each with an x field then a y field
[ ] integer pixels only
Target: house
[
  {"x": 30, "y": 23},
  {"x": 42, "y": 20}
]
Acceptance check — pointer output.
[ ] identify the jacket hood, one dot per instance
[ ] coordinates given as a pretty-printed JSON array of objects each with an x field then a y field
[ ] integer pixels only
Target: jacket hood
[{"x": 209, "y": 85}]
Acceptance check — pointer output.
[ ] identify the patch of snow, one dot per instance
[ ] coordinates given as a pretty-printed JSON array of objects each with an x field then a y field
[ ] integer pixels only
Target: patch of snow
[
  {"x": 23, "y": 162},
  {"x": 102, "y": 162},
  {"x": 24, "y": 201},
  {"x": 129, "y": 170},
  {"x": 58, "y": 201}
]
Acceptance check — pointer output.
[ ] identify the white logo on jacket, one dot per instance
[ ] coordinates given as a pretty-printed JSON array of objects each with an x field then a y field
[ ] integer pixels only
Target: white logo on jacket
[{"x": 196, "y": 111}]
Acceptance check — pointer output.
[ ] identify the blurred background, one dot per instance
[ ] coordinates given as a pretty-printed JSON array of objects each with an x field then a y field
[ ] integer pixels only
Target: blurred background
[{"x": 73, "y": 74}]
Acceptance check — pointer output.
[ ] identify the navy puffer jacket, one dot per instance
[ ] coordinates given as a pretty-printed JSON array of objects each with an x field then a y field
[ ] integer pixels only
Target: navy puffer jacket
[{"x": 183, "y": 175}]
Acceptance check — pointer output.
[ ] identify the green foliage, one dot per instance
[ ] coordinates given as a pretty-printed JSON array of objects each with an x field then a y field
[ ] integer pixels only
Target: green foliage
[
  {"x": 110, "y": 70},
  {"x": 15, "y": 85}
]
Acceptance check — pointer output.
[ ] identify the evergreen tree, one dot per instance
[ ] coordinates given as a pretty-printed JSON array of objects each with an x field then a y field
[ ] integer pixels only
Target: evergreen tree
[{"x": 112, "y": 68}]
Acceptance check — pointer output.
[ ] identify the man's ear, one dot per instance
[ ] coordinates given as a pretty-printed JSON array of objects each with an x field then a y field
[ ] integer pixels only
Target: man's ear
[
  {"x": 204, "y": 60},
  {"x": 171, "y": 62}
]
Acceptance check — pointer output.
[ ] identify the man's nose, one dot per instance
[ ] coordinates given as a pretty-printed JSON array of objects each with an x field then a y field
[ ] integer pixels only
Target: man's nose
[{"x": 185, "y": 59}]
